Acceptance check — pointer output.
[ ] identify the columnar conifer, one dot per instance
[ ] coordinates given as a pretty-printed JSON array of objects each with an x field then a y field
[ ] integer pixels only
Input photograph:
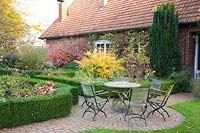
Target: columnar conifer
[{"x": 163, "y": 41}]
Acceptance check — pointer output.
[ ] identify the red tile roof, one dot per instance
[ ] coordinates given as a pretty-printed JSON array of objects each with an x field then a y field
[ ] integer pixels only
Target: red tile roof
[{"x": 85, "y": 16}]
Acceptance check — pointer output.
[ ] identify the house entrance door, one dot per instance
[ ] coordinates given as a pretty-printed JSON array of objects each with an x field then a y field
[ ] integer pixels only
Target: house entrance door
[{"x": 197, "y": 57}]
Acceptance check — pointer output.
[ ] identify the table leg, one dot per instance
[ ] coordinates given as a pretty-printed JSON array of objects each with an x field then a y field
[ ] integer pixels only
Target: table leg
[{"x": 121, "y": 99}]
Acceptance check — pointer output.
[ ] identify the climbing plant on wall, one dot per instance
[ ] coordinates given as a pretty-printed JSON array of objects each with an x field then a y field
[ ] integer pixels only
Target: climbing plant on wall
[
  {"x": 132, "y": 47},
  {"x": 163, "y": 41}
]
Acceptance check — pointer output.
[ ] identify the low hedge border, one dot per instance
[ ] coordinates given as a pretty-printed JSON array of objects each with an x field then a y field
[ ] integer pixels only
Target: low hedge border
[
  {"x": 99, "y": 85},
  {"x": 61, "y": 82},
  {"x": 69, "y": 81},
  {"x": 32, "y": 72},
  {"x": 73, "y": 89},
  {"x": 21, "y": 111},
  {"x": 5, "y": 71}
]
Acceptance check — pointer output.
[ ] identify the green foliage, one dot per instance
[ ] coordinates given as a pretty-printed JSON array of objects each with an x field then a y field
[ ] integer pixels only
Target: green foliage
[
  {"x": 163, "y": 43},
  {"x": 61, "y": 82},
  {"x": 181, "y": 81},
  {"x": 1, "y": 52},
  {"x": 74, "y": 91},
  {"x": 31, "y": 57},
  {"x": 31, "y": 72},
  {"x": 5, "y": 71},
  {"x": 196, "y": 88},
  {"x": 60, "y": 73},
  {"x": 92, "y": 38},
  {"x": 131, "y": 46},
  {"x": 9, "y": 85},
  {"x": 69, "y": 81},
  {"x": 145, "y": 84},
  {"x": 71, "y": 65},
  {"x": 21, "y": 111},
  {"x": 165, "y": 84},
  {"x": 10, "y": 59}
]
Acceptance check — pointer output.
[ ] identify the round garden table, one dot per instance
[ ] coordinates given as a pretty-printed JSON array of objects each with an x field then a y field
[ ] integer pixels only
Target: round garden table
[
  {"x": 122, "y": 84},
  {"x": 122, "y": 89}
]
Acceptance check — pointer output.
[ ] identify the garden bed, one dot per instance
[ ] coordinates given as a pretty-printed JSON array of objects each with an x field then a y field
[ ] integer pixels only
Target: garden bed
[
  {"x": 26, "y": 110},
  {"x": 21, "y": 111}
]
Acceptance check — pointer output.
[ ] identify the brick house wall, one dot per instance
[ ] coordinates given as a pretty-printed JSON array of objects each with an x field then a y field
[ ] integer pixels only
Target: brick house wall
[
  {"x": 186, "y": 43},
  {"x": 78, "y": 40}
]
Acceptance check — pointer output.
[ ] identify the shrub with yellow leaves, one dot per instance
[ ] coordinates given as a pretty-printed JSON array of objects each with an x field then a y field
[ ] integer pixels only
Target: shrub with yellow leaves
[{"x": 101, "y": 65}]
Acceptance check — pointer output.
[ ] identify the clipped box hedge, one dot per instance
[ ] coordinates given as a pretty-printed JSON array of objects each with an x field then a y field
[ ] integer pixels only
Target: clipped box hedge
[
  {"x": 73, "y": 89},
  {"x": 5, "y": 71},
  {"x": 21, "y": 111},
  {"x": 69, "y": 81},
  {"x": 32, "y": 72}
]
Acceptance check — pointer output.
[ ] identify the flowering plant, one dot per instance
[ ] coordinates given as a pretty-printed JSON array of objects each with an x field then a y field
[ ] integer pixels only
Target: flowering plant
[{"x": 100, "y": 64}]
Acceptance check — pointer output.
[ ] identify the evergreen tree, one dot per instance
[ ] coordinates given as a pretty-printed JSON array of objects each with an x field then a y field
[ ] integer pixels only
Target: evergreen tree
[{"x": 163, "y": 41}]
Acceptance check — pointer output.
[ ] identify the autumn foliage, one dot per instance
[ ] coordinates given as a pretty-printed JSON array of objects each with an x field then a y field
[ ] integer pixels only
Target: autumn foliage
[
  {"x": 100, "y": 64},
  {"x": 12, "y": 25},
  {"x": 63, "y": 54}
]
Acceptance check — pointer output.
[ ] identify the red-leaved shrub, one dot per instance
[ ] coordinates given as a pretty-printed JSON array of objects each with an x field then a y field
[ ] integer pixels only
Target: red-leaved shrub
[{"x": 62, "y": 54}]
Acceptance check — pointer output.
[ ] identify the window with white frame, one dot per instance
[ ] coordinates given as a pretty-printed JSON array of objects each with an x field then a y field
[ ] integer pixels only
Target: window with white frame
[{"x": 101, "y": 45}]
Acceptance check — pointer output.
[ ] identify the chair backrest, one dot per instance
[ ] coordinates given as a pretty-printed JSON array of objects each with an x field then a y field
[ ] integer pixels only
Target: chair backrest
[
  {"x": 156, "y": 84},
  {"x": 154, "y": 89},
  {"x": 88, "y": 89},
  {"x": 83, "y": 76},
  {"x": 139, "y": 95},
  {"x": 121, "y": 79},
  {"x": 167, "y": 95}
]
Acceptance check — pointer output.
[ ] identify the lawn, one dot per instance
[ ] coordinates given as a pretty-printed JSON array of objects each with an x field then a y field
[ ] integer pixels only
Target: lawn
[{"x": 191, "y": 111}]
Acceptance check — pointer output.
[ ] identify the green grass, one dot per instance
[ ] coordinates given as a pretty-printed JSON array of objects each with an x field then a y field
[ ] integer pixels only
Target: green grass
[{"x": 191, "y": 111}]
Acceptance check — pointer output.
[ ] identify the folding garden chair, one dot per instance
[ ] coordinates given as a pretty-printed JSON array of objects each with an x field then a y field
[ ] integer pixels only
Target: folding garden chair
[
  {"x": 93, "y": 102},
  {"x": 155, "y": 88},
  {"x": 137, "y": 100},
  {"x": 158, "y": 103}
]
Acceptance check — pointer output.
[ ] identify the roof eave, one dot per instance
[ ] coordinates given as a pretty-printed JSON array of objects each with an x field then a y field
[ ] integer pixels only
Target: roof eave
[
  {"x": 110, "y": 30},
  {"x": 98, "y": 31}
]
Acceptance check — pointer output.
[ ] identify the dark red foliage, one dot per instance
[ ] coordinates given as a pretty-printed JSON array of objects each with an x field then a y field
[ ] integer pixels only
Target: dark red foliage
[{"x": 63, "y": 54}]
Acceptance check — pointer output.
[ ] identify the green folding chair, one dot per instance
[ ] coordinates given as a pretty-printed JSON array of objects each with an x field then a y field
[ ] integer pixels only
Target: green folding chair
[
  {"x": 158, "y": 103},
  {"x": 92, "y": 99},
  {"x": 137, "y": 100}
]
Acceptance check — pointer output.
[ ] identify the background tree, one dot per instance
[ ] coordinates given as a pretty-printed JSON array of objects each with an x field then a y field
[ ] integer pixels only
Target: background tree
[
  {"x": 163, "y": 43},
  {"x": 12, "y": 25}
]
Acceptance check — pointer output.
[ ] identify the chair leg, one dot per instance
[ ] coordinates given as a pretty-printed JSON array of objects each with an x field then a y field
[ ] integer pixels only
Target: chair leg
[
  {"x": 141, "y": 116},
  {"x": 151, "y": 112},
  {"x": 83, "y": 103},
  {"x": 156, "y": 108},
  {"x": 165, "y": 111},
  {"x": 127, "y": 111},
  {"x": 89, "y": 107},
  {"x": 100, "y": 109}
]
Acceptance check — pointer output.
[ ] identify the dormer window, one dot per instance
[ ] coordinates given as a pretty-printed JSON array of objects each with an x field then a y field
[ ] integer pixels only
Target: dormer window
[
  {"x": 102, "y": 45},
  {"x": 103, "y": 4}
]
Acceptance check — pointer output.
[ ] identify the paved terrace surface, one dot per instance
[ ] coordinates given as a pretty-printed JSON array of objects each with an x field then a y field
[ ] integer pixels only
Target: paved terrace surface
[{"x": 74, "y": 122}]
